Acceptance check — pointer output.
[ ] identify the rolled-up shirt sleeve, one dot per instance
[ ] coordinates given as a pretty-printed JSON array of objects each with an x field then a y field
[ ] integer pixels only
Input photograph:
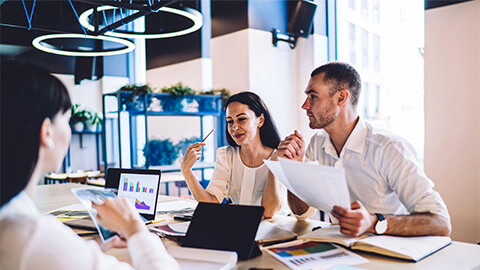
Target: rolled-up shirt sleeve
[
  {"x": 408, "y": 180},
  {"x": 218, "y": 186}
]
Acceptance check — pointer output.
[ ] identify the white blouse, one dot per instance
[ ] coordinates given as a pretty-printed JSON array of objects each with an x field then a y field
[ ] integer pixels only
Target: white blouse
[
  {"x": 29, "y": 240},
  {"x": 246, "y": 185}
]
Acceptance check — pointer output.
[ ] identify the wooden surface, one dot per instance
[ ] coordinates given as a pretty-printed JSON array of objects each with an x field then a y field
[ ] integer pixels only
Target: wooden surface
[{"x": 457, "y": 255}]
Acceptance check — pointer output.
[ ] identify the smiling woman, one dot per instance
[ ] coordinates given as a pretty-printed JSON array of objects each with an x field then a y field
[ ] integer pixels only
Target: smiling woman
[{"x": 240, "y": 176}]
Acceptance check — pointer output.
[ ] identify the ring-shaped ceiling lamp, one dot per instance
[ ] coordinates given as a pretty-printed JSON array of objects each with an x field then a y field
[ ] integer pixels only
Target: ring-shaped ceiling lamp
[
  {"x": 40, "y": 44},
  {"x": 189, "y": 13}
]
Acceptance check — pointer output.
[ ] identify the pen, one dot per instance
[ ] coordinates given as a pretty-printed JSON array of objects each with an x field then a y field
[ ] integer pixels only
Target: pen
[
  {"x": 208, "y": 135},
  {"x": 155, "y": 221},
  {"x": 87, "y": 234}
]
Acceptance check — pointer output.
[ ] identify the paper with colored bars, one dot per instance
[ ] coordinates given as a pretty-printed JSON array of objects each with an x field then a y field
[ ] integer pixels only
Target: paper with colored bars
[
  {"x": 320, "y": 186},
  {"x": 130, "y": 187},
  {"x": 140, "y": 190},
  {"x": 313, "y": 255}
]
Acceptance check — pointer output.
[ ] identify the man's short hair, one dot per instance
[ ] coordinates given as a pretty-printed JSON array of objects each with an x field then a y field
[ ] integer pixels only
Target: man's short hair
[{"x": 340, "y": 76}]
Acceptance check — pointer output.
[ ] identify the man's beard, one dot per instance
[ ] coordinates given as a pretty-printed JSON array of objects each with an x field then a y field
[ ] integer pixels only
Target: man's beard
[{"x": 323, "y": 119}]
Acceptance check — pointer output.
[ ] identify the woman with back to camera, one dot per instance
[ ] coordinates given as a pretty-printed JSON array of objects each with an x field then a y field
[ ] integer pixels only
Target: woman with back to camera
[
  {"x": 240, "y": 172},
  {"x": 35, "y": 135}
]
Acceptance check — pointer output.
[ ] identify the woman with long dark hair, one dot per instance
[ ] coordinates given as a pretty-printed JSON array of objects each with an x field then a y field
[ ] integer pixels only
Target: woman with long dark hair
[
  {"x": 35, "y": 135},
  {"x": 240, "y": 173}
]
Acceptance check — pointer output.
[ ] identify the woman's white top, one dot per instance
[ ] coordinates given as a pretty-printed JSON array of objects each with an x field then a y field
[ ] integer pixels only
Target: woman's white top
[
  {"x": 246, "y": 185},
  {"x": 30, "y": 240}
]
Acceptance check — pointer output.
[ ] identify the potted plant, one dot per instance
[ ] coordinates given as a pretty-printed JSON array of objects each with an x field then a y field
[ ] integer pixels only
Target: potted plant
[
  {"x": 94, "y": 122},
  {"x": 175, "y": 103},
  {"x": 79, "y": 118},
  {"x": 207, "y": 105},
  {"x": 133, "y": 96},
  {"x": 161, "y": 152}
]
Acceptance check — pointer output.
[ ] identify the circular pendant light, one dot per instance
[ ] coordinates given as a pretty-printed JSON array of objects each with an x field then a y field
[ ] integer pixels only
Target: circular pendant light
[
  {"x": 41, "y": 44},
  {"x": 191, "y": 14}
]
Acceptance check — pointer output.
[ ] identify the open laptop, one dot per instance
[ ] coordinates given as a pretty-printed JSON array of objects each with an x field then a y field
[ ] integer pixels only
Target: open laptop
[
  {"x": 139, "y": 186},
  {"x": 225, "y": 227}
]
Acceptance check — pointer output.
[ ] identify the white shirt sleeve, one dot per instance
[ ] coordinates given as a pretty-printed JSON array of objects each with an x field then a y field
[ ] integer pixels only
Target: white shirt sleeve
[
  {"x": 148, "y": 252},
  {"x": 53, "y": 246},
  {"x": 407, "y": 179},
  {"x": 218, "y": 186}
]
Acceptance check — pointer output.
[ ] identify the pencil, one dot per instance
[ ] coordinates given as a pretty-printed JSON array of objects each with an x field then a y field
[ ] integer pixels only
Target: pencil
[
  {"x": 155, "y": 221},
  {"x": 208, "y": 135}
]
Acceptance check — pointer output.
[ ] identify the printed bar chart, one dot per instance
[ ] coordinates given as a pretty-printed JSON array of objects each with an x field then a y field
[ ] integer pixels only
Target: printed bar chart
[{"x": 131, "y": 187}]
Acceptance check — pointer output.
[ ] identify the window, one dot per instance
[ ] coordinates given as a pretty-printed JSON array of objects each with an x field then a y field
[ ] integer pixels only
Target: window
[
  {"x": 376, "y": 11},
  {"x": 366, "y": 99},
  {"x": 369, "y": 39},
  {"x": 353, "y": 54},
  {"x": 376, "y": 53},
  {"x": 365, "y": 8},
  {"x": 364, "y": 48},
  {"x": 377, "y": 101},
  {"x": 351, "y": 4}
]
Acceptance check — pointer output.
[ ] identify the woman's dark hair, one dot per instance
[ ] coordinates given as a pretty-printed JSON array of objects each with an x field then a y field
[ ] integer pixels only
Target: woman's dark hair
[
  {"x": 268, "y": 132},
  {"x": 29, "y": 95}
]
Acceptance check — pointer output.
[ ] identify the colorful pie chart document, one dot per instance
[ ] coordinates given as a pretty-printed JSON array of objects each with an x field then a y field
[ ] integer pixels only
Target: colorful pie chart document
[
  {"x": 301, "y": 254},
  {"x": 320, "y": 186}
]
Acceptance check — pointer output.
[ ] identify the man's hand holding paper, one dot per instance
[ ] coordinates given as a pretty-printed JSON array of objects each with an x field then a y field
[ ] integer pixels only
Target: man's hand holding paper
[{"x": 320, "y": 186}]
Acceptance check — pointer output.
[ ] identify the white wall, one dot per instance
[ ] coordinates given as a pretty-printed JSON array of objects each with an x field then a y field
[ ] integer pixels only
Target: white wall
[
  {"x": 452, "y": 94},
  {"x": 229, "y": 55},
  {"x": 88, "y": 94},
  {"x": 190, "y": 73},
  {"x": 247, "y": 60}
]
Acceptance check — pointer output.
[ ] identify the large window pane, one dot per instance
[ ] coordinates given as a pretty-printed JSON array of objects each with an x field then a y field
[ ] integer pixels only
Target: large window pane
[{"x": 386, "y": 50}]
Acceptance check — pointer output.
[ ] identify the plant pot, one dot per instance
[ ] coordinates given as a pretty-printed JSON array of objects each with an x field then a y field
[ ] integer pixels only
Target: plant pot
[
  {"x": 92, "y": 127},
  {"x": 134, "y": 102},
  {"x": 172, "y": 104},
  {"x": 78, "y": 127}
]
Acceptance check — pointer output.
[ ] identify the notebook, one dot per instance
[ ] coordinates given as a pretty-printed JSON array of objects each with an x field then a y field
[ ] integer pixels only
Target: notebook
[
  {"x": 140, "y": 187},
  {"x": 407, "y": 248},
  {"x": 225, "y": 227}
]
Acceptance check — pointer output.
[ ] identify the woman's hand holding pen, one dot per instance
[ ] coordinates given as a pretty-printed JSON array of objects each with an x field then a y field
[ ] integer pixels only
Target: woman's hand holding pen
[{"x": 193, "y": 153}]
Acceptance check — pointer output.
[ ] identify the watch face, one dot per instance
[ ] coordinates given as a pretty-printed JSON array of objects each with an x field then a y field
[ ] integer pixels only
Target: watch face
[{"x": 381, "y": 227}]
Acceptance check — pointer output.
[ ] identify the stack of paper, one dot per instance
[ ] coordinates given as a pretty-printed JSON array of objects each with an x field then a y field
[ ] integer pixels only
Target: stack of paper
[
  {"x": 203, "y": 259},
  {"x": 320, "y": 186}
]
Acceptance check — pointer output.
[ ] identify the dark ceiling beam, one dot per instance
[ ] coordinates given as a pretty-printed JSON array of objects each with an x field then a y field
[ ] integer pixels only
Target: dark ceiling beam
[
  {"x": 440, "y": 3},
  {"x": 59, "y": 31},
  {"x": 125, "y": 5},
  {"x": 143, "y": 11}
]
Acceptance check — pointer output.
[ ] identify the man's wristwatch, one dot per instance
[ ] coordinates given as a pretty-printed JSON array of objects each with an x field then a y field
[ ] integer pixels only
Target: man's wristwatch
[{"x": 381, "y": 225}]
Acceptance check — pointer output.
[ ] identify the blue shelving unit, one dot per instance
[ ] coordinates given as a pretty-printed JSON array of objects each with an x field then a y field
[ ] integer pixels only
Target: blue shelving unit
[{"x": 159, "y": 105}]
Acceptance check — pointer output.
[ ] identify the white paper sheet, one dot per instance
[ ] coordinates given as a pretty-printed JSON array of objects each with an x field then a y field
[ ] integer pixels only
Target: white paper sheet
[
  {"x": 176, "y": 205},
  {"x": 203, "y": 259},
  {"x": 320, "y": 186}
]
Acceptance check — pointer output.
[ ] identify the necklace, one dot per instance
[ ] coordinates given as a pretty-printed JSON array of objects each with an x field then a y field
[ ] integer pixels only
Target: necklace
[{"x": 247, "y": 161}]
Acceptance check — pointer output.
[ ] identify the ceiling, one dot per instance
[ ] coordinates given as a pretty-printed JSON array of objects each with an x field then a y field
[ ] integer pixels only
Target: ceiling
[
  {"x": 440, "y": 3},
  {"x": 57, "y": 16}
]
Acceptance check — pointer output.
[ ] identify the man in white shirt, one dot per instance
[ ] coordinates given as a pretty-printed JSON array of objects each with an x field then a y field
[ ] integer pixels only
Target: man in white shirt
[{"x": 390, "y": 192}]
